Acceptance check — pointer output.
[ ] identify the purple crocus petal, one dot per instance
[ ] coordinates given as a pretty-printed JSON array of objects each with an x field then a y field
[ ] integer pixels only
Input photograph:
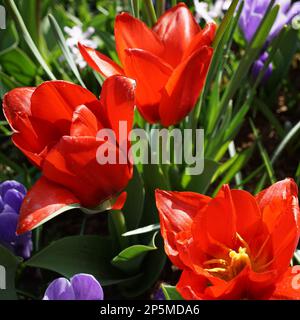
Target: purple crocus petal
[
  {"x": 258, "y": 66},
  {"x": 252, "y": 26},
  {"x": 86, "y": 287},
  {"x": 293, "y": 12},
  {"x": 8, "y": 225},
  {"x": 252, "y": 14},
  {"x": 159, "y": 295},
  {"x": 254, "y": 11},
  {"x": 14, "y": 199},
  {"x": 284, "y": 5},
  {"x": 11, "y": 184},
  {"x": 59, "y": 289}
]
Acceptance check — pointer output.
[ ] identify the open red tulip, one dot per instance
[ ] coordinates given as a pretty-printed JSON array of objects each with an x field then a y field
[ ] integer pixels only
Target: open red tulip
[
  {"x": 234, "y": 246},
  {"x": 169, "y": 62},
  {"x": 56, "y": 126}
]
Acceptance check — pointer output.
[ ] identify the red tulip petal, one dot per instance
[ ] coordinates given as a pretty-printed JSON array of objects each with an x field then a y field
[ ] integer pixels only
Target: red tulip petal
[
  {"x": 99, "y": 62},
  {"x": 35, "y": 158},
  {"x": 44, "y": 201},
  {"x": 249, "y": 213},
  {"x": 151, "y": 74},
  {"x": 118, "y": 100},
  {"x": 133, "y": 33},
  {"x": 16, "y": 108},
  {"x": 84, "y": 122},
  {"x": 280, "y": 211},
  {"x": 184, "y": 87},
  {"x": 176, "y": 29},
  {"x": 73, "y": 164},
  {"x": 289, "y": 287},
  {"x": 120, "y": 201},
  {"x": 204, "y": 38},
  {"x": 176, "y": 211},
  {"x": 216, "y": 238},
  {"x": 192, "y": 286},
  {"x": 54, "y": 102}
]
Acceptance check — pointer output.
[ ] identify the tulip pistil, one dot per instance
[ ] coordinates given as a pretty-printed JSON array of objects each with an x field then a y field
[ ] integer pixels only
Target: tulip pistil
[{"x": 230, "y": 267}]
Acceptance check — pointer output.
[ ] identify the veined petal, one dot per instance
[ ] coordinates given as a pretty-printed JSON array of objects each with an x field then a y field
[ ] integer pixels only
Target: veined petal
[
  {"x": 42, "y": 203},
  {"x": 99, "y": 62},
  {"x": 184, "y": 86},
  {"x": 151, "y": 74},
  {"x": 73, "y": 164},
  {"x": 133, "y": 33},
  {"x": 118, "y": 101},
  {"x": 60, "y": 289},
  {"x": 280, "y": 211},
  {"x": 54, "y": 102},
  {"x": 204, "y": 38},
  {"x": 86, "y": 287},
  {"x": 16, "y": 107},
  {"x": 177, "y": 210},
  {"x": 17, "y": 110},
  {"x": 244, "y": 202},
  {"x": 84, "y": 122},
  {"x": 176, "y": 29},
  {"x": 213, "y": 238}
]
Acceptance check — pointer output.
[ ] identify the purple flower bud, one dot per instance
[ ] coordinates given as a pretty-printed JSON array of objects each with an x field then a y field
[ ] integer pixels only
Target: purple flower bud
[
  {"x": 80, "y": 287},
  {"x": 12, "y": 194},
  {"x": 258, "y": 66}
]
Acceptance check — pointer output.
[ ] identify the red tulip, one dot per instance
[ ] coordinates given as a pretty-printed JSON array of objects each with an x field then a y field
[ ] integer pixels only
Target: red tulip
[
  {"x": 55, "y": 125},
  {"x": 169, "y": 62},
  {"x": 235, "y": 246}
]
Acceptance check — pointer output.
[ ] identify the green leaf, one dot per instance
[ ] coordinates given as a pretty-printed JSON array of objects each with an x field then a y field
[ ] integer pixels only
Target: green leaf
[
  {"x": 65, "y": 49},
  {"x": 18, "y": 65},
  {"x": 152, "y": 266},
  {"x": 130, "y": 259},
  {"x": 225, "y": 22},
  {"x": 283, "y": 58},
  {"x": 150, "y": 228},
  {"x": 28, "y": 39},
  {"x": 200, "y": 183},
  {"x": 264, "y": 154},
  {"x": 154, "y": 177},
  {"x": 133, "y": 208},
  {"x": 9, "y": 38},
  {"x": 235, "y": 167},
  {"x": 79, "y": 254},
  {"x": 30, "y": 12},
  {"x": 8, "y": 268},
  {"x": 251, "y": 54},
  {"x": 278, "y": 151},
  {"x": 170, "y": 292}
]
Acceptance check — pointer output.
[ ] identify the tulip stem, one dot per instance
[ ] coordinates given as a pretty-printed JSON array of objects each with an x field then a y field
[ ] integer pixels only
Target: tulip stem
[
  {"x": 119, "y": 223},
  {"x": 150, "y": 11},
  {"x": 83, "y": 225}
]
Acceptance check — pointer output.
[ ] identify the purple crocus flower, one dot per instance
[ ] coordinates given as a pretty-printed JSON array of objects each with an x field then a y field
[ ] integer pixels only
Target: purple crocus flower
[
  {"x": 159, "y": 295},
  {"x": 254, "y": 12},
  {"x": 252, "y": 16},
  {"x": 80, "y": 287},
  {"x": 12, "y": 194}
]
